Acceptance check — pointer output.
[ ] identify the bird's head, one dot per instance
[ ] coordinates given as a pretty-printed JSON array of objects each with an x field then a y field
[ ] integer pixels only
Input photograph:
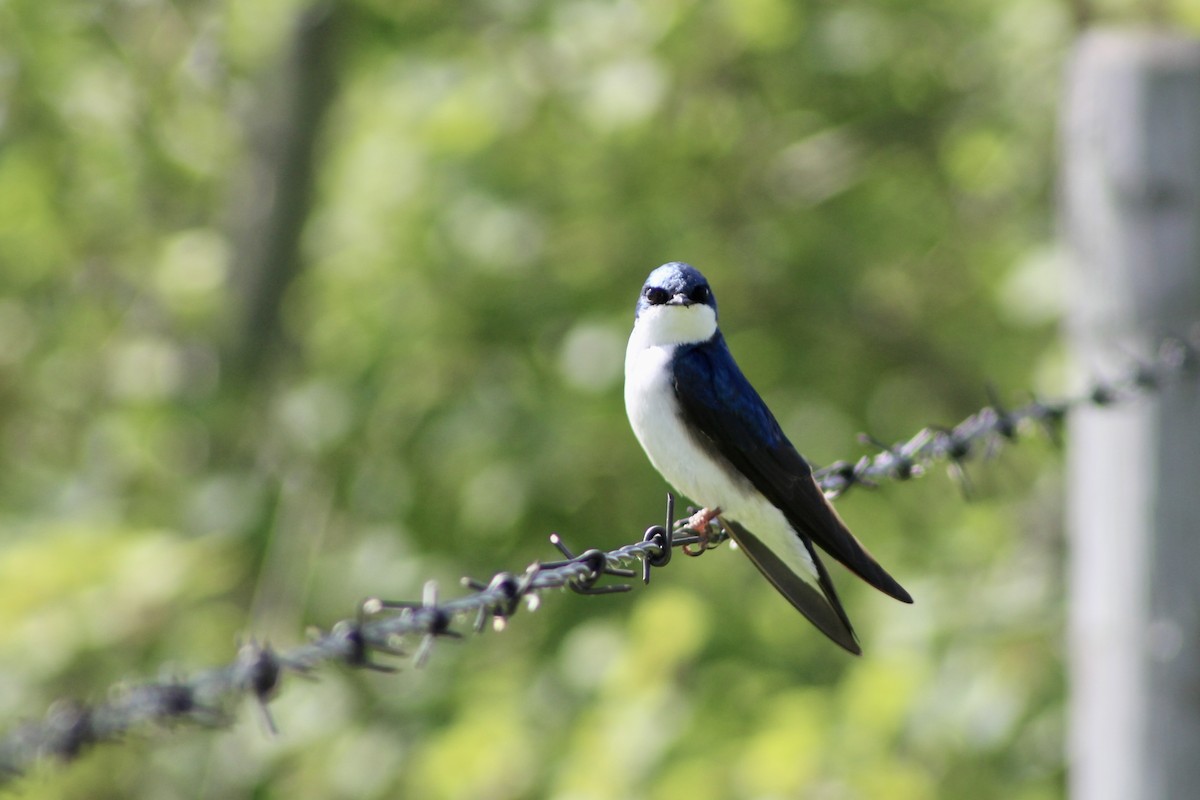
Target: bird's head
[{"x": 676, "y": 306}]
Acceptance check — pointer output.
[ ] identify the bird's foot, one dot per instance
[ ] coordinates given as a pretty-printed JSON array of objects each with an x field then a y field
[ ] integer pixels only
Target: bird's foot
[{"x": 699, "y": 523}]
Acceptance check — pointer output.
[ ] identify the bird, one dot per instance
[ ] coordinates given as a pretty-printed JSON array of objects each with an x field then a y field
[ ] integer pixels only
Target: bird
[{"x": 711, "y": 436}]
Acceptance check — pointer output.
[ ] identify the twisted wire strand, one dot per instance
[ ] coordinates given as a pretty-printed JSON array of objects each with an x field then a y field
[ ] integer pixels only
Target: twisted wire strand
[
  {"x": 382, "y": 628},
  {"x": 1176, "y": 360}
]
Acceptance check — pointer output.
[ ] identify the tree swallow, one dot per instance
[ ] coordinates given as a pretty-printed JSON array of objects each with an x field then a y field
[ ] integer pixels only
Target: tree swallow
[{"x": 711, "y": 436}]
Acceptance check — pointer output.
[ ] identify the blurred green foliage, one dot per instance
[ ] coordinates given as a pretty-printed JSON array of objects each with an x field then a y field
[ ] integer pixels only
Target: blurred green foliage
[{"x": 867, "y": 185}]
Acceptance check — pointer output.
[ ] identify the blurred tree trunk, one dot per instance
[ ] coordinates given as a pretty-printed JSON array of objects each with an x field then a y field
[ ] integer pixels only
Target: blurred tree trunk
[
  {"x": 276, "y": 187},
  {"x": 1131, "y": 139}
]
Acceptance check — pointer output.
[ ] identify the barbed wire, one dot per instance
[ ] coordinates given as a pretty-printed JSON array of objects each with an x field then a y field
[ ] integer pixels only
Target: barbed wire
[
  {"x": 384, "y": 629},
  {"x": 1176, "y": 359}
]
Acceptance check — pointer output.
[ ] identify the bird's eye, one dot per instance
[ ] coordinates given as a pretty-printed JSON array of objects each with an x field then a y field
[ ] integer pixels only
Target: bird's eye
[
  {"x": 657, "y": 295},
  {"x": 699, "y": 294}
]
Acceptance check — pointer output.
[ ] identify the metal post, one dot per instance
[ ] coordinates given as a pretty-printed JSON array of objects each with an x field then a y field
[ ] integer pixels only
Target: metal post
[{"x": 1131, "y": 214}]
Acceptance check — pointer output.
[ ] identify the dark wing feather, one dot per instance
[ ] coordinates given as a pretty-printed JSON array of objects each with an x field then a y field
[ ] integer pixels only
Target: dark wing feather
[{"x": 718, "y": 401}]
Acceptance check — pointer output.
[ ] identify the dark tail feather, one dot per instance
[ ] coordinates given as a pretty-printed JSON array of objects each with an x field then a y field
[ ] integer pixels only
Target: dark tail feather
[{"x": 821, "y": 607}]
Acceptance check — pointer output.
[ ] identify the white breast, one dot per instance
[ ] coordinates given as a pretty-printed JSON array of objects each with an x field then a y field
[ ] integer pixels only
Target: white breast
[{"x": 655, "y": 418}]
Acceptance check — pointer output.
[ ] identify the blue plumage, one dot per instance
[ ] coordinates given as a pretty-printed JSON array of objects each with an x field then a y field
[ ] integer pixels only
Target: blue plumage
[{"x": 709, "y": 377}]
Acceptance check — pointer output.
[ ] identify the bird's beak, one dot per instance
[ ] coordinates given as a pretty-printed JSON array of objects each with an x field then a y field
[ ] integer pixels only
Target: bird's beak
[{"x": 680, "y": 299}]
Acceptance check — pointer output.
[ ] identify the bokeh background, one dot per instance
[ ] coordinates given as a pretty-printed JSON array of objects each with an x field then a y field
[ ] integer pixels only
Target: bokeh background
[{"x": 302, "y": 304}]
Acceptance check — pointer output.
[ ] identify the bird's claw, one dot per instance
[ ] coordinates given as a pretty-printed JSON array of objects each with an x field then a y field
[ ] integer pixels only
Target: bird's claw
[{"x": 698, "y": 524}]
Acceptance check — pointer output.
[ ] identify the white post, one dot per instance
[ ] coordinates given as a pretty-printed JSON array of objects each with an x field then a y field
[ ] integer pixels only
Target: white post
[{"x": 1131, "y": 217}]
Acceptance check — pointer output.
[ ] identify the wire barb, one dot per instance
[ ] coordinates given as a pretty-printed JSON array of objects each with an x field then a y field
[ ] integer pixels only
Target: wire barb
[
  {"x": 663, "y": 538},
  {"x": 261, "y": 672}
]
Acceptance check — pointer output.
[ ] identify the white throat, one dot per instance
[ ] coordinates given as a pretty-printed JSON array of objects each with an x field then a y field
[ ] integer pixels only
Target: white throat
[{"x": 666, "y": 325}]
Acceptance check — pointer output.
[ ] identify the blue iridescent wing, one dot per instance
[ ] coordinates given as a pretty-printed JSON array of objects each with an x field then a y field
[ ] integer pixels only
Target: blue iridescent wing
[{"x": 719, "y": 403}]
